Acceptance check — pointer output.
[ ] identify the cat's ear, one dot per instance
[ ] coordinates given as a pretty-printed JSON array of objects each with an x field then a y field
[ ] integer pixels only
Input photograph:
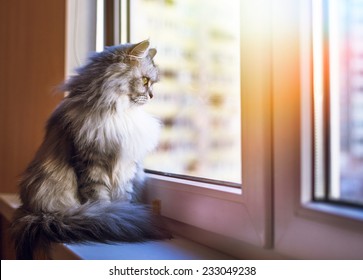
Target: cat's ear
[
  {"x": 139, "y": 49},
  {"x": 152, "y": 53}
]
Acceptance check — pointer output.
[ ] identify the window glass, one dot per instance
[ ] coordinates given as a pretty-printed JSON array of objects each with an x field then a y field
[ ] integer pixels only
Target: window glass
[
  {"x": 342, "y": 84},
  {"x": 198, "y": 96}
]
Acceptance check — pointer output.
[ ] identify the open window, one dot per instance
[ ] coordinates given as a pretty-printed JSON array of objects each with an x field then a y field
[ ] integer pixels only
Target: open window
[
  {"x": 212, "y": 169},
  {"x": 338, "y": 101},
  {"x": 313, "y": 216},
  {"x": 294, "y": 144},
  {"x": 199, "y": 101}
]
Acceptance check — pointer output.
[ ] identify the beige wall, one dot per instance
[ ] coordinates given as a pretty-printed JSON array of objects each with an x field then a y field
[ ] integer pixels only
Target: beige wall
[{"x": 32, "y": 58}]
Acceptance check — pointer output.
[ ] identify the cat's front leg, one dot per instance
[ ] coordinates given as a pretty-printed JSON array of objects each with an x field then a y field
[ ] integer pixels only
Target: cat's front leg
[
  {"x": 133, "y": 189},
  {"x": 94, "y": 184},
  {"x": 94, "y": 192},
  {"x": 138, "y": 184}
]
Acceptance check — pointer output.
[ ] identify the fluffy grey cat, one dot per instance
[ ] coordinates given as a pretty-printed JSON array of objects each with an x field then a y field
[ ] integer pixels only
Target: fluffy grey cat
[{"x": 82, "y": 183}]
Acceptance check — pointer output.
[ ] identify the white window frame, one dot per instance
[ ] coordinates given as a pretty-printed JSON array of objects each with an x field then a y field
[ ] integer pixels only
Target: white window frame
[
  {"x": 81, "y": 26},
  {"x": 275, "y": 216},
  {"x": 303, "y": 228},
  {"x": 221, "y": 209}
]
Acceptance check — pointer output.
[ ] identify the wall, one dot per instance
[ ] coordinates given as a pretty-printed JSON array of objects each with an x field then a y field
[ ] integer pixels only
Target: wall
[{"x": 32, "y": 52}]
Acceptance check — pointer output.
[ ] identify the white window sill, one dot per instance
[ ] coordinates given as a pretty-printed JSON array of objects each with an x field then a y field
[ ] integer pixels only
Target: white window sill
[{"x": 175, "y": 249}]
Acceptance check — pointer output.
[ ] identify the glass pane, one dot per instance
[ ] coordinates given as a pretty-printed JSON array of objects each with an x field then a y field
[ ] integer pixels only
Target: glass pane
[
  {"x": 346, "y": 99},
  {"x": 198, "y": 96}
]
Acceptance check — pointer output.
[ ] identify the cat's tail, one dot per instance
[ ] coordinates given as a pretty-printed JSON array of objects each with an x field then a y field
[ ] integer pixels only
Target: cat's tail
[{"x": 93, "y": 222}]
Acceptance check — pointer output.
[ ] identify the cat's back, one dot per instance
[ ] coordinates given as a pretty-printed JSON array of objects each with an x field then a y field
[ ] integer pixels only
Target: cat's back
[{"x": 49, "y": 181}]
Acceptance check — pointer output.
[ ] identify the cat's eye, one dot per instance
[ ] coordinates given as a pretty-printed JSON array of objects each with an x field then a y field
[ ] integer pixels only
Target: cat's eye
[{"x": 145, "y": 81}]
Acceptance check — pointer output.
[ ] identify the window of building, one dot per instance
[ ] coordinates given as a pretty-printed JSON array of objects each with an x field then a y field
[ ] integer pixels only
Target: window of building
[
  {"x": 198, "y": 96},
  {"x": 287, "y": 145},
  {"x": 338, "y": 100},
  {"x": 204, "y": 99}
]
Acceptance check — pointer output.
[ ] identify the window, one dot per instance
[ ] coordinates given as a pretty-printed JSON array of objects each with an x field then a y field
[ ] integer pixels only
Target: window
[
  {"x": 284, "y": 136},
  {"x": 306, "y": 227},
  {"x": 200, "y": 49},
  {"x": 198, "y": 96},
  {"x": 338, "y": 92}
]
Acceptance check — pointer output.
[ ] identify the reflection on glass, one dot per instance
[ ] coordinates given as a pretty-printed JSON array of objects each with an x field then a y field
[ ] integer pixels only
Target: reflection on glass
[
  {"x": 346, "y": 98},
  {"x": 198, "y": 97}
]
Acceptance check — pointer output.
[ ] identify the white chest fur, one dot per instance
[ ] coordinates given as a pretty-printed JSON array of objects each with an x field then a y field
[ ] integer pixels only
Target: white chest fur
[
  {"x": 137, "y": 133},
  {"x": 130, "y": 131}
]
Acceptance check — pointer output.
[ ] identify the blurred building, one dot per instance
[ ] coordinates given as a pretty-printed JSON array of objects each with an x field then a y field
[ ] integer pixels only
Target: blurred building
[
  {"x": 198, "y": 97},
  {"x": 351, "y": 106},
  {"x": 354, "y": 88}
]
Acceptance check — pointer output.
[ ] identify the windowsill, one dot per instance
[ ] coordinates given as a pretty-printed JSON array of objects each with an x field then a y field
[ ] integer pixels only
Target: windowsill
[
  {"x": 175, "y": 249},
  {"x": 343, "y": 214},
  {"x": 201, "y": 188}
]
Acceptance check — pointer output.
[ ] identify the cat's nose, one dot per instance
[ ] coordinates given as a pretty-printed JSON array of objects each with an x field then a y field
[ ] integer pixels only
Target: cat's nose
[{"x": 151, "y": 95}]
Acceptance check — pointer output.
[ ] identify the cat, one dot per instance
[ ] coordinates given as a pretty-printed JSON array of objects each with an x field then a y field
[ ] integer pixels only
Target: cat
[{"x": 84, "y": 182}]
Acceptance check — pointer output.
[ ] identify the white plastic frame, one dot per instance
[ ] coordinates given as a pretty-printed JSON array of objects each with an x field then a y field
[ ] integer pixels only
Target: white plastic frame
[
  {"x": 303, "y": 228},
  {"x": 242, "y": 215}
]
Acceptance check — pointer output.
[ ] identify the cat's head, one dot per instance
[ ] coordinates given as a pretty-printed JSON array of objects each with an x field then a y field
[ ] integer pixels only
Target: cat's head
[{"x": 126, "y": 72}]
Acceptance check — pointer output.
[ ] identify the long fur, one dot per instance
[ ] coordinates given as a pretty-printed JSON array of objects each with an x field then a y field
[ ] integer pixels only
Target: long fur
[
  {"x": 93, "y": 222},
  {"x": 83, "y": 183}
]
